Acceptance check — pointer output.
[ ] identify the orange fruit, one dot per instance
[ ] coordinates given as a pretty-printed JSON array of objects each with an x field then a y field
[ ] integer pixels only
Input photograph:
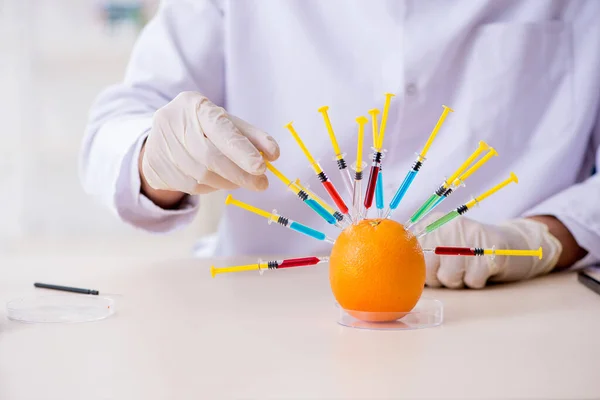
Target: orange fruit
[{"x": 377, "y": 266}]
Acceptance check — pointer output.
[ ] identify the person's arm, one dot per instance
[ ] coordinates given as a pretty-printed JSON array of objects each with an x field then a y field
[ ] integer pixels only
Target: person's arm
[
  {"x": 566, "y": 227},
  {"x": 571, "y": 251},
  {"x": 181, "y": 49},
  {"x": 166, "y": 199},
  {"x": 573, "y": 215}
]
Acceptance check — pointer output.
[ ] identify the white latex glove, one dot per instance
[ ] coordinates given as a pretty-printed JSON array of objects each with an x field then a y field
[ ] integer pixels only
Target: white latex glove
[
  {"x": 475, "y": 272},
  {"x": 196, "y": 147}
]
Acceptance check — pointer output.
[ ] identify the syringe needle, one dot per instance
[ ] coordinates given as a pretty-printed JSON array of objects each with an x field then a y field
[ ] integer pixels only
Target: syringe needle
[
  {"x": 339, "y": 156},
  {"x": 325, "y": 181},
  {"x": 279, "y": 219},
  {"x": 416, "y": 167},
  {"x": 467, "y": 206},
  {"x": 261, "y": 265}
]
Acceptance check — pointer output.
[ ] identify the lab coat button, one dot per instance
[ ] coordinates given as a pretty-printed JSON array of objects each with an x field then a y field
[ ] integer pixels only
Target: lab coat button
[{"x": 411, "y": 89}]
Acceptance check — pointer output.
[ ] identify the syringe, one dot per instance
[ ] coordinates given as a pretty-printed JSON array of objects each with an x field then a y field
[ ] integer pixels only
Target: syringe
[
  {"x": 377, "y": 153},
  {"x": 327, "y": 184},
  {"x": 280, "y": 219},
  {"x": 458, "y": 182},
  {"x": 339, "y": 156},
  {"x": 358, "y": 168},
  {"x": 419, "y": 161},
  {"x": 342, "y": 222},
  {"x": 379, "y": 200},
  {"x": 261, "y": 265},
  {"x": 450, "y": 185},
  {"x": 467, "y": 206},
  {"x": 479, "y": 251},
  {"x": 302, "y": 195}
]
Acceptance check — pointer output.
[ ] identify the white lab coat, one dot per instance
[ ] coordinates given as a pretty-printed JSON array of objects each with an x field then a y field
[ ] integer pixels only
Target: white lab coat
[{"x": 522, "y": 75}]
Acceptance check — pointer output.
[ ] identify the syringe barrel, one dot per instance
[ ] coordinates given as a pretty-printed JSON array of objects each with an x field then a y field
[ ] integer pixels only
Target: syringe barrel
[
  {"x": 401, "y": 192},
  {"x": 421, "y": 211},
  {"x": 371, "y": 186},
  {"x": 374, "y": 174},
  {"x": 298, "y": 262},
  {"x": 442, "y": 221},
  {"x": 335, "y": 195},
  {"x": 356, "y": 199},
  {"x": 379, "y": 191},
  {"x": 319, "y": 209},
  {"x": 298, "y": 227},
  {"x": 347, "y": 178},
  {"x": 455, "y": 251},
  {"x": 430, "y": 209}
]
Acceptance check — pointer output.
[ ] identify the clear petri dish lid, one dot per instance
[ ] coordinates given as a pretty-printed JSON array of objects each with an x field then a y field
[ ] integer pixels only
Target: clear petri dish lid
[
  {"x": 428, "y": 313},
  {"x": 60, "y": 308}
]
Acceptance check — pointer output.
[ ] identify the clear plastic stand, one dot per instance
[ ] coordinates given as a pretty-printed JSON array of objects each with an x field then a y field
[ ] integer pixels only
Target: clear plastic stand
[
  {"x": 428, "y": 313},
  {"x": 60, "y": 309}
]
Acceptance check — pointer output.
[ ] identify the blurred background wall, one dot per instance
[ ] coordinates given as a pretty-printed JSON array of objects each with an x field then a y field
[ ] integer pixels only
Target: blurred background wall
[{"x": 55, "y": 56}]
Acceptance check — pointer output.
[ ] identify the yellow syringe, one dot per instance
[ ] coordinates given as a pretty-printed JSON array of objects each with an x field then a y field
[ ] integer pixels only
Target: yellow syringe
[
  {"x": 302, "y": 195},
  {"x": 325, "y": 181},
  {"x": 279, "y": 219},
  {"x": 338, "y": 215},
  {"x": 467, "y": 206},
  {"x": 377, "y": 151},
  {"x": 339, "y": 155},
  {"x": 416, "y": 167},
  {"x": 478, "y": 251},
  {"x": 262, "y": 266},
  {"x": 452, "y": 183},
  {"x": 358, "y": 168}
]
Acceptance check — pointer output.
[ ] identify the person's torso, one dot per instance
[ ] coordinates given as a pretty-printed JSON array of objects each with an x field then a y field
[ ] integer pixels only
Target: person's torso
[{"x": 521, "y": 75}]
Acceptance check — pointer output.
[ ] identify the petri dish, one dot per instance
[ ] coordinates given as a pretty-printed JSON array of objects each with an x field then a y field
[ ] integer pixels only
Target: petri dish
[
  {"x": 60, "y": 309},
  {"x": 428, "y": 313}
]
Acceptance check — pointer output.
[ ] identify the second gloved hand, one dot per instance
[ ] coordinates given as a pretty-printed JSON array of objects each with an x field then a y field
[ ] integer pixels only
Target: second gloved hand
[
  {"x": 475, "y": 272},
  {"x": 196, "y": 147}
]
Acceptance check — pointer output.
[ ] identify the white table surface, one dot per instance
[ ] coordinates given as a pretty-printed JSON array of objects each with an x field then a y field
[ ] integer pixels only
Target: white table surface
[{"x": 179, "y": 334}]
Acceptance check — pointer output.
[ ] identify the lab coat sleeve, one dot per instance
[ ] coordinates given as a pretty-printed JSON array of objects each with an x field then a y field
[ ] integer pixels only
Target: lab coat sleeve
[
  {"x": 181, "y": 49},
  {"x": 578, "y": 207}
]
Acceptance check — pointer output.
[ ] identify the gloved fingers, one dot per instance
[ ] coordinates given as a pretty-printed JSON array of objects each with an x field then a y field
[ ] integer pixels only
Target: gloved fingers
[
  {"x": 220, "y": 164},
  {"x": 161, "y": 174},
  {"x": 182, "y": 171},
  {"x": 451, "y": 271},
  {"x": 432, "y": 265},
  {"x": 213, "y": 180},
  {"x": 205, "y": 189},
  {"x": 216, "y": 125},
  {"x": 197, "y": 155},
  {"x": 262, "y": 141},
  {"x": 477, "y": 271}
]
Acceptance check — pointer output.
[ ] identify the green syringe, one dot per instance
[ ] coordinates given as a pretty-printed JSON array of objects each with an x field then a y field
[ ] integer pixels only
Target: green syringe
[
  {"x": 453, "y": 182},
  {"x": 467, "y": 206}
]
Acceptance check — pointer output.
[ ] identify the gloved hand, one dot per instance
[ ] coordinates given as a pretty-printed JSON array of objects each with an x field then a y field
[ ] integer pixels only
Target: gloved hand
[
  {"x": 475, "y": 272},
  {"x": 196, "y": 147}
]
